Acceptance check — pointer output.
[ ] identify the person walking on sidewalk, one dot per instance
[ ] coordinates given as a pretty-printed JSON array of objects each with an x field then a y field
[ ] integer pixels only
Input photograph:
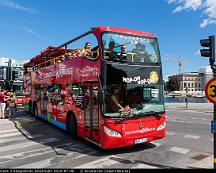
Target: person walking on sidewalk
[
  {"x": 2, "y": 104},
  {"x": 12, "y": 105}
]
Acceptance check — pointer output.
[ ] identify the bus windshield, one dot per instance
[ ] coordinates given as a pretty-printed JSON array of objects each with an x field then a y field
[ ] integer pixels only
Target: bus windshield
[
  {"x": 130, "y": 48},
  {"x": 137, "y": 90},
  {"x": 141, "y": 100}
]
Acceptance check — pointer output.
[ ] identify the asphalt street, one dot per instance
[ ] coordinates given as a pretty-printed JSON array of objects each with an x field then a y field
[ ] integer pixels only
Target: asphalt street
[{"x": 26, "y": 142}]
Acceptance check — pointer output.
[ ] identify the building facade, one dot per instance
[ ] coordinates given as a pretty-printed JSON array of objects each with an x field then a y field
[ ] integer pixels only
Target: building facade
[{"x": 193, "y": 81}]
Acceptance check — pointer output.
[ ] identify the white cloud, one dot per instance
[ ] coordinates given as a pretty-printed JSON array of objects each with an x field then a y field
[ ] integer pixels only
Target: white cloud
[
  {"x": 4, "y": 60},
  {"x": 210, "y": 8},
  {"x": 206, "y": 22},
  {"x": 186, "y": 4},
  {"x": 13, "y": 5},
  {"x": 207, "y": 6},
  {"x": 30, "y": 31}
]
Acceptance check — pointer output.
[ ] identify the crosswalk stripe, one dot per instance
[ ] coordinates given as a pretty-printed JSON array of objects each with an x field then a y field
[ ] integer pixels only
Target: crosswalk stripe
[
  {"x": 26, "y": 144},
  {"x": 179, "y": 150},
  {"x": 11, "y": 134},
  {"x": 32, "y": 153},
  {"x": 48, "y": 162},
  {"x": 192, "y": 136},
  {"x": 144, "y": 166},
  {"x": 14, "y": 139},
  {"x": 7, "y": 131},
  {"x": 100, "y": 163}
]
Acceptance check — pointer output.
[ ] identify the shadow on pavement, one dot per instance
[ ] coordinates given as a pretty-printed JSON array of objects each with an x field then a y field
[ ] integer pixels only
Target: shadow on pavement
[{"x": 39, "y": 130}]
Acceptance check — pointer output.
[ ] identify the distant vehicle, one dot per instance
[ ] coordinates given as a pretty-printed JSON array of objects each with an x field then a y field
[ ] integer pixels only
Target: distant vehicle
[
  {"x": 72, "y": 88},
  {"x": 19, "y": 101}
]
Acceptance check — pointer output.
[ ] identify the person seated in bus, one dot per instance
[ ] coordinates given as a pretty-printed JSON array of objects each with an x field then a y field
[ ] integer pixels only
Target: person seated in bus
[
  {"x": 140, "y": 53},
  {"x": 123, "y": 55},
  {"x": 114, "y": 100},
  {"x": 86, "y": 52},
  {"x": 112, "y": 55}
]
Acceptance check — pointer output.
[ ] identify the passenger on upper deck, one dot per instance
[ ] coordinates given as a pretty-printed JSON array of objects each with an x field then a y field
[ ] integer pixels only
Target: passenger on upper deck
[
  {"x": 112, "y": 55},
  {"x": 87, "y": 50},
  {"x": 123, "y": 55},
  {"x": 140, "y": 53}
]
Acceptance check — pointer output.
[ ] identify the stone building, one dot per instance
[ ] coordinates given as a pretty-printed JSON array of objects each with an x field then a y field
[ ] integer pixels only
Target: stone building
[{"x": 194, "y": 81}]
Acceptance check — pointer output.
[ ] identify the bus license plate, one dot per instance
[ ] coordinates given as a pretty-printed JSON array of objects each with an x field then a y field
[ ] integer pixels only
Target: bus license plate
[{"x": 138, "y": 141}]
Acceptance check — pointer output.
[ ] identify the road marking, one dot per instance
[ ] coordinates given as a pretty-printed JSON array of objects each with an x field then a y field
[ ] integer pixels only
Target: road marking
[
  {"x": 8, "y": 131},
  {"x": 157, "y": 144},
  {"x": 170, "y": 133},
  {"x": 144, "y": 166},
  {"x": 192, "y": 136},
  {"x": 194, "y": 118},
  {"x": 10, "y": 135},
  {"x": 26, "y": 144},
  {"x": 48, "y": 162},
  {"x": 2, "y": 141},
  {"x": 31, "y": 153},
  {"x": 100, "y": 163},
  {"x": 179, "y": 150}
]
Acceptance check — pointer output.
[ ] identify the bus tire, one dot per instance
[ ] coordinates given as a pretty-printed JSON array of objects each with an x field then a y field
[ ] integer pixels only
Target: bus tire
[{"x": 72, "y": 127}]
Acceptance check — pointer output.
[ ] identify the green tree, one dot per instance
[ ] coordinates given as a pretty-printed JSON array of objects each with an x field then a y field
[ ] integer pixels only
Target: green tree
[{"x": 172, "y": 85}]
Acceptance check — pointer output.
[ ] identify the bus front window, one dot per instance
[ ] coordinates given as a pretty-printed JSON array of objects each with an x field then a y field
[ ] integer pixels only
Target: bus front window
[
  {"x": 128, "y": 48},
  {"x": 138, "y": 100}
]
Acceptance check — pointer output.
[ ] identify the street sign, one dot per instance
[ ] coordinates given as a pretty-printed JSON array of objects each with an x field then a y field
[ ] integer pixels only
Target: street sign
[
  {"x": 213, "y": 126},
  {"x": 210, "y": 90}
]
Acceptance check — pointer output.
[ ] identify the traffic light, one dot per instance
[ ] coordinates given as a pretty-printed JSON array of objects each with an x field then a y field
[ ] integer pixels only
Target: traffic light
[
  {"x": 210, "y": 43},
  {"x": 14, "y": 75}
]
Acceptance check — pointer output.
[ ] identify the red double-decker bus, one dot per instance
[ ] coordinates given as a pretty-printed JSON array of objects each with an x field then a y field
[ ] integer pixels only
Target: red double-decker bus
[{"x": 110, "y": 92}]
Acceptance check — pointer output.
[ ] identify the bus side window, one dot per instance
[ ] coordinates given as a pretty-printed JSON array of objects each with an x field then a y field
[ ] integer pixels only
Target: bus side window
[{"x": 77, "y": 94}]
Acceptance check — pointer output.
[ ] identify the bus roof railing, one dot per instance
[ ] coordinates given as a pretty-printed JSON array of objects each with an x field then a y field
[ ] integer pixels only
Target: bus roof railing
[{"x": 45, "y": 55}]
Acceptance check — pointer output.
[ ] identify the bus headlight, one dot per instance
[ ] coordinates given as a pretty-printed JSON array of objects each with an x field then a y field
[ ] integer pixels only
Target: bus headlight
[
  {"x": 161, "y": 127},
  {"x": 111, "y": 132}
]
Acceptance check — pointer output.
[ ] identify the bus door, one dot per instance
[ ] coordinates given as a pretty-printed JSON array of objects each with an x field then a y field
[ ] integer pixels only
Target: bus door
[{"x": 91, "y": 114}]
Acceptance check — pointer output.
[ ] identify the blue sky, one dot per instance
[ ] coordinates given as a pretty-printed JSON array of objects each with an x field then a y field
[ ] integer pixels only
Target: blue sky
[{"x": 29, "y": 26}]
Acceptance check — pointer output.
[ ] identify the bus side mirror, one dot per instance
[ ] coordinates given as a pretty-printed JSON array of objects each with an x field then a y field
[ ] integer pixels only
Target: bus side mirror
[{"x": 100, "y": 98}]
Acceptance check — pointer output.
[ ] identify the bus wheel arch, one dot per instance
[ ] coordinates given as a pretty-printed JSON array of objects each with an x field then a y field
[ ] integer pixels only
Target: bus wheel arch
[{"x": 71, "y": 124}]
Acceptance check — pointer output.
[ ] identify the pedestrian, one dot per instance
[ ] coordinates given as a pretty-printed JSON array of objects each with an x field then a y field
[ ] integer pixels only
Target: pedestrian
[
  {"x": 2, "y": 104},
  {"x": 12, "y": 105}
]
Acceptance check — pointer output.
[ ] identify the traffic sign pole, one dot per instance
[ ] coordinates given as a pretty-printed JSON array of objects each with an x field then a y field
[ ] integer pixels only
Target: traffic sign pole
[
  {"x": 214, "y": 72},
  {"x": 210, "y": 91}
]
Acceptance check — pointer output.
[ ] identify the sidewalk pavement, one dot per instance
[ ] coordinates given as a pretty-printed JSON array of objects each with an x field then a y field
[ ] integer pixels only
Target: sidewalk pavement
[
  {"x": 208, "y": 107},
  {"x": 206, "y": 163}
]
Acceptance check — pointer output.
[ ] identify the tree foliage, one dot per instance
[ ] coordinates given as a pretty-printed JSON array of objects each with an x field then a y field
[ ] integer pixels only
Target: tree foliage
[{"x": 172, "y": 85}]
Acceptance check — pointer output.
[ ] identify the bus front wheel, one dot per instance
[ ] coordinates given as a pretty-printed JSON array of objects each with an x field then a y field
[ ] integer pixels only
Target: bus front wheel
[{"x": 72, "y": 127}]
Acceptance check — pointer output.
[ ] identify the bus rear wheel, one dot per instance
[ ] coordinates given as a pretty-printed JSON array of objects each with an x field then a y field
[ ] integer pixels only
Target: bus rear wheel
[{"x": 72, "y": 127}]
